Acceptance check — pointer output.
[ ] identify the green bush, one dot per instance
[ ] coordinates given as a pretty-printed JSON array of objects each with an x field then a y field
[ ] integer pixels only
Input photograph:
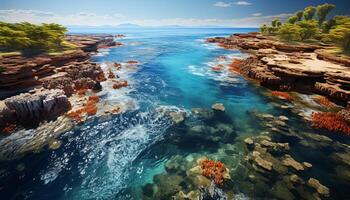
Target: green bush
[
  {"x": 308, "y": 29},
  {"x": 29, "y": 37},
  {"x": 322, "y": 11},
  {"x": 340, "y": 34},
  {"x": 289, "y": 32},
  {"x": 309, "y": 13}
]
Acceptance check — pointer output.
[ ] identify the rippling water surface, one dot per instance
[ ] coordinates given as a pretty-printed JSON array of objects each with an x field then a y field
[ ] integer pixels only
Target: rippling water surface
[{"x": 115, "y": 158}]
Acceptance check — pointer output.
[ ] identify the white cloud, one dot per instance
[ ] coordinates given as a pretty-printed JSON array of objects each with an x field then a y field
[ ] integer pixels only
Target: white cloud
[
  {"x": 256, "y": 14},
  {"x": 242, "y": 3},
  {"x": 222, "y": 4},
  {"x": 93, "y": 19}
]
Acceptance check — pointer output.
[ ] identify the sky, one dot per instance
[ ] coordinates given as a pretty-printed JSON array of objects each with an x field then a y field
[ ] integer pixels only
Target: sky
[{"x": 231, "y": 13}]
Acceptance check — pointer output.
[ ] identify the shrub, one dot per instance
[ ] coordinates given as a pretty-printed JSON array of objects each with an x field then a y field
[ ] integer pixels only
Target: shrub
[
  {"x": 289, "y": 32},
  {"x": 308, "y": 29}
]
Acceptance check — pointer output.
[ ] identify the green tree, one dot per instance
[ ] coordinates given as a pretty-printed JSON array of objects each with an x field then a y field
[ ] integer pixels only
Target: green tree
[
  {"x": 308, "y": 29},
  {"x": 328, "y": 25},
  {"x": 292, "y": 19},
  {"x": 263, "y": 28},
  {"x": 341, "y": 33},
  {"x": 29, "y": 37},
  {"x": 299, "y": 15},
  {"x": 322, "y": 11},
  {"x": 309, "y": 13},
  {"x": 289, "y": 32},
  {"x": 276, "y": 23}
]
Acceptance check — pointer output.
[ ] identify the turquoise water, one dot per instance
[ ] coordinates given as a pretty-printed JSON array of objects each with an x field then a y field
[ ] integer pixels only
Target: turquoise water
[{"x": 115, "y": 158}]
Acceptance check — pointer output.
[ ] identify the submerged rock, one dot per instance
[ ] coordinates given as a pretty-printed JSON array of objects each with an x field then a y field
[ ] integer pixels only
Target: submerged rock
[
  {"x": 261, "y": 162},
  {"x": 177, "y": 117},
  {"x": 212, "y": 193},
  {"x": 321, "y": 189},
  {"x": 290, "y": 162},
  {"x": 54, "y": 144},
  {"x": 218, "y": 107}
]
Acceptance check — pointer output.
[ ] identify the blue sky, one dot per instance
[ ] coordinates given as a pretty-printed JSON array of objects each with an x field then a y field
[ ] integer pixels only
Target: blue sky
[{"x": 247, "y": 13}]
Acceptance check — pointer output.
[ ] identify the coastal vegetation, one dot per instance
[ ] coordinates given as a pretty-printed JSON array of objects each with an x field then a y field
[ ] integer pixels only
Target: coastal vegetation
[
  {"x": 311, "y": 25},
  {"x": 26, "y": 37}
]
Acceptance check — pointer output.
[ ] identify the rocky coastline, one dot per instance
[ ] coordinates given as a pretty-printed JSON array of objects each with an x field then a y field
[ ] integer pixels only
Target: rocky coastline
[
  {"x": 40, "y": 92},
  {"x": 291, "y": 67}
]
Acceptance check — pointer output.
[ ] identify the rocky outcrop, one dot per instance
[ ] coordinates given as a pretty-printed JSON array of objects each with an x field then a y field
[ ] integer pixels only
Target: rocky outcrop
[
  {"x": 33, "y": 107},
  {"x": 282, "y": 66},
  {"x": 90, "y": 43}
]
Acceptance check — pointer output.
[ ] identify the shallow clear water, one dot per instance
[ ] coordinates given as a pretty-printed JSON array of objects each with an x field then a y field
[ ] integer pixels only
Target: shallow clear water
[{"x": 114, "y": 158}]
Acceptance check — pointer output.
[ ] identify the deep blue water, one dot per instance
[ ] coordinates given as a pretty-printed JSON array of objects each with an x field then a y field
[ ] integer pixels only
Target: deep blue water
[{"x": 113, "y": 158}]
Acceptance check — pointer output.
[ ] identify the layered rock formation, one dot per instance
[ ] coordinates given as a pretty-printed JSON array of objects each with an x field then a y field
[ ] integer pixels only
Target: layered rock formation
[
  {"x": 57, "y": 76},
  {"x": 284, "y": 66},
  {"x": 28, "y": 108}
]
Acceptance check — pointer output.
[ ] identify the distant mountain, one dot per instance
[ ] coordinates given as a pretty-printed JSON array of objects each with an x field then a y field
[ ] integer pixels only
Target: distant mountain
[{"x": 128, "y": 25}]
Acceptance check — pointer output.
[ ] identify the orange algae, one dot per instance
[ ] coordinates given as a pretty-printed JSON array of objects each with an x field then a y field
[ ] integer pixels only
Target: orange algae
[
  {"x": 81, "y": 92},
  {"x": 213, "y": 170},
  {"x": 132, "y": 62},
  {"x": 234, "y": 66},
  {"x": 89, "y": 108},
  {"x": 101, "y": 77},
  {"x": 330, "y": 121},
  {"x": 120, "y": 84},
  {"x": 9, "y": 128},
  {"x": 282, "y": 95},
  {"x": 323, "y": 101},
  {"x": 110, "y": 74}
]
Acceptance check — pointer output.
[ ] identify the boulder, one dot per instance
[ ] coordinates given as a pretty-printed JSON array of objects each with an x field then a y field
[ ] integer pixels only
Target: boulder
[{"x": 218, "y": 107}]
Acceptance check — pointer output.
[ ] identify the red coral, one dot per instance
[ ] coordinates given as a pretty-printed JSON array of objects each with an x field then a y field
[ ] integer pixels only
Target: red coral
[
  {"x": 323, "y": 101},
  {"x": 282, "y": 95},
  {"x": 330, "y": 121},
  {"x": 213, "y": 170}
]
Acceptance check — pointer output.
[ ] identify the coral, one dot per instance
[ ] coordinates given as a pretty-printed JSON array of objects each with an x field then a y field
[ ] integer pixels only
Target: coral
[
  {"x": 330, "y": 121},
  {"x": 282, "y": 95},
  {"x": 234, "y": 66},
  {"x": 323, "y": 101},
  {"x": 120, "y": 84},
  {"x": 9, "y": 128},
  {"x": 213, "y": 170}
]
